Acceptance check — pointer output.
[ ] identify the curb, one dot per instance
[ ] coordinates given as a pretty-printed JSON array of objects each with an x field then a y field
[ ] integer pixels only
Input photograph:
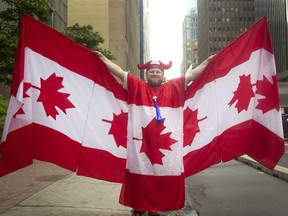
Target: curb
[{"x": 279, "y": 171}]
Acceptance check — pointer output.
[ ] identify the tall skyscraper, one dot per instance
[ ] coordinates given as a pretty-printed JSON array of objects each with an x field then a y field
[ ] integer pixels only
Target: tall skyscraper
[
  {"x": 58, "y": 21},
  {"x": 220, "y": 22},
  {"x": 58, "y": 18},
  {"x": 190, "y": 44},
  {"x": 277, "y": 15},
  {"x": 59, "y": 14},
  {"x": 118, "y": 22},
  {"x": 144, "y": 34}
]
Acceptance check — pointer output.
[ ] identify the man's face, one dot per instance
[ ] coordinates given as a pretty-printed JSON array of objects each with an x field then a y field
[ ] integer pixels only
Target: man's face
[{"x": 155, "y": 77}]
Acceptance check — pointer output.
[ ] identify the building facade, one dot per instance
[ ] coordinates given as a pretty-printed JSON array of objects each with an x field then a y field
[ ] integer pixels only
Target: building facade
[
  {"x": 59, "y": 14},
  {"x": 117, "y": 21},
  {"x": 220, "y": 22},
  {"x": 57, "y": 21},
  {"x": 144, "y": 34},
  {"x": 190, "y": 42},
  {"x": 277, "y": 16}
]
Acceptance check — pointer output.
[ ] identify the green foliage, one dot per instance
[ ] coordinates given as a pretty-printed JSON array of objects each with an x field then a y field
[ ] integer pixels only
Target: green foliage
[
  {"x": 3, "y": 111},
  {"x": 8, "y": 46},
  {"x": 10, "y": 22},
  {"x": 86, "y": 36}
]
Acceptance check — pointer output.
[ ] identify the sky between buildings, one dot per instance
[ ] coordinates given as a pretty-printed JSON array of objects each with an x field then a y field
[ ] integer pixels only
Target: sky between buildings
[{"x": 166, "y": 19}]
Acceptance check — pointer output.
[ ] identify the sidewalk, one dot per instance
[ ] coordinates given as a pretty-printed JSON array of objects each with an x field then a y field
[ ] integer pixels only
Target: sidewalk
[{"x": 46, "y": 189}]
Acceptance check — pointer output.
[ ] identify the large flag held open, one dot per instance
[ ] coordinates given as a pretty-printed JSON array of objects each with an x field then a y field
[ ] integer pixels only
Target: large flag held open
[
  {"x": 66, "y": 108},
  {"x": 234, "y": 108},
  {"x": 63, "y": 102}
]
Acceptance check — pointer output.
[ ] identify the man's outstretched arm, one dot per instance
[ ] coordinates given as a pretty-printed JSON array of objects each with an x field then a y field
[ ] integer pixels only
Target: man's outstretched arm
[
  {"x": 193, "y": 74},
  {"x": 112, "y": 67}
]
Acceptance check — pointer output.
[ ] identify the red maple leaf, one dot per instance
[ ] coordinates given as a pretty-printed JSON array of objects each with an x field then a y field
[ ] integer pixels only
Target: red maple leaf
[
  {"x": 153, "y": 141},
  {"x": 267, "y": 89},
  {"x": 119, "y": 128},
  {"x": 191, "y": 125},
  {"x": 243, "y": 94},
  {"x": 26, "y": 87},
  {"x": 19, "y": 112},
  {"x": 51, "y": 97}
]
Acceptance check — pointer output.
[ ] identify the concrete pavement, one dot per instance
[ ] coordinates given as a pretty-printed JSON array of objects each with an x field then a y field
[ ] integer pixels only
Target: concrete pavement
[
  {"x": 45, "y": 189},
  {"x": 72, "y": 195},
  {"x": 48, "y": 190}
]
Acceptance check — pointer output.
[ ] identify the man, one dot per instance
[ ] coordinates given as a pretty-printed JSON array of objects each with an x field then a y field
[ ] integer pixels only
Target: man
[{"x": 154, "y": 179}]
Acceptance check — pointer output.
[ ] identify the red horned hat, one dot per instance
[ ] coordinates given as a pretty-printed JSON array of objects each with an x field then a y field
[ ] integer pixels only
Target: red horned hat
[{"x": 155, "y": 64}]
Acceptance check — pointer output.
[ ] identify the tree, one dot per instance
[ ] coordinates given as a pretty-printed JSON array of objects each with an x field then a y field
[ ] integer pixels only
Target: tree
[
  {"x": 10, "y": 22},
  {"x": 3, "y": 110},
  {"x": 86, "y": 36}
]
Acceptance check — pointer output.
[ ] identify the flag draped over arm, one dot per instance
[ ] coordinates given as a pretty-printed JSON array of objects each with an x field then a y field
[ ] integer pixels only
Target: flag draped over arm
[
  {"x": 64, "y": 108},
  {"x": 233, "y": 108}
]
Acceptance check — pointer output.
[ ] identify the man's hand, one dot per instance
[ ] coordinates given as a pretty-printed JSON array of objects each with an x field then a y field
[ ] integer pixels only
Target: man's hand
[
  {"x": 112, "y": 67},
  {"x": 193, "y": 74}
]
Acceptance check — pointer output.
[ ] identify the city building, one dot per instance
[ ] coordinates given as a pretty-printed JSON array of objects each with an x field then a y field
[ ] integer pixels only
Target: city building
[
  {"x": 58, "y": 21},
  {"x": 118, "y": 22},
  {"x": 144, "y": 34},
  {"x": 220, "y": 22},
  {"x": 277, "y": 16},
  {"x": 190, "y": 42},
  {"x": 59, "y": 14}
]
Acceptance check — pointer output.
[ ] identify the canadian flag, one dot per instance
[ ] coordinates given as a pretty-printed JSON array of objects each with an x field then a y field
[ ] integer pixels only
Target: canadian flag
[
  {"x": 233, "y": 108},
  {"x": 66, "y": 108},
  {"x": 154, "y": 179}
]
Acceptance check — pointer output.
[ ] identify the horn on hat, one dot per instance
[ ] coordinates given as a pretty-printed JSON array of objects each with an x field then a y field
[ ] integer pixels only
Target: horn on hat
[
  {"x": 166, "y": 66},
  {"x": 151, "y": 64},
  {"x": 144, "y": 66}
]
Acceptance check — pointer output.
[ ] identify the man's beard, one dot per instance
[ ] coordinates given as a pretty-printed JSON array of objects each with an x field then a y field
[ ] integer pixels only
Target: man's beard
[{"x": 155, "y": 82}]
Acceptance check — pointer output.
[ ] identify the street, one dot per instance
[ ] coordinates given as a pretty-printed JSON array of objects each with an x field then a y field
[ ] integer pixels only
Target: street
[{"x": 235, "y": 189}]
